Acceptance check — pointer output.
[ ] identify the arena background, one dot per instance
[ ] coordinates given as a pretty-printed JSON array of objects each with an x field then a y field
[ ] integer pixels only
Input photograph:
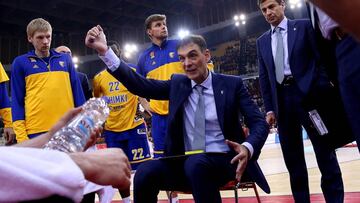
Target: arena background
[{"x": 233, "y": 49}]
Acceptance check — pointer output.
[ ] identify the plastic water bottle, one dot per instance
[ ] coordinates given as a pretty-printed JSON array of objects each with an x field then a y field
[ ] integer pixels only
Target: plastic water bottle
[{"x": 74, "y": 136}]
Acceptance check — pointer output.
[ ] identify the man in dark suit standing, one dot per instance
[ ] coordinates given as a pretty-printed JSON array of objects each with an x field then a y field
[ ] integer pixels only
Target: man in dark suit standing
[
  {"x": 345, "y": 60},
  {"x": 202, "y": 148},
  {"x": 85, "y": 85},
  {"x": 288, "y": 57}
]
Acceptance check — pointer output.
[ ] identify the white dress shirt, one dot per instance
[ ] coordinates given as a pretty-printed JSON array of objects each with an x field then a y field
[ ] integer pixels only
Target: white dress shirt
[
  {"x": 214, "y": 138},
  {"x": 326, "y": 24}
]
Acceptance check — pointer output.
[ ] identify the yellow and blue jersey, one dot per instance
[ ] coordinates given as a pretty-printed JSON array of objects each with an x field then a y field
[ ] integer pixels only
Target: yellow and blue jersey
[
  {"x": 160, "y": 63},
  {"x": 42, "y": 91},
  {"x": 5, "y": 107},
  {"x": 123, "y": 104}
]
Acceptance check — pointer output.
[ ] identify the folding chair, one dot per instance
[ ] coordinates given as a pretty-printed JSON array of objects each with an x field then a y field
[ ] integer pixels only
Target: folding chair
[{"x": 232, "y": 185}]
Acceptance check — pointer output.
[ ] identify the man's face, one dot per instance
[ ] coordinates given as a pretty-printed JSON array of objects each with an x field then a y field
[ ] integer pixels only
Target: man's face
[
  {"x": 41, "y": 41},
  {"x": 194, "y": 62},
  {"x": 158, "y": 30},
  {"x": 272, "y": 11}
]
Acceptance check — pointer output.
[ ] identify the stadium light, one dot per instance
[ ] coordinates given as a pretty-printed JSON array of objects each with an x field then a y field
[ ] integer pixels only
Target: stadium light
[
  {"x": 75, "y": 59},
  {"x": 129, "y": 49},
  {"x": 242, "y": 17},
  {"x": 240, "y": 20},
  {"x": 134, "y": 48},
  {"x": 127, "y": 55},
  {"x": 183, "y": 33},
  {"x": 295, "y": 4}
]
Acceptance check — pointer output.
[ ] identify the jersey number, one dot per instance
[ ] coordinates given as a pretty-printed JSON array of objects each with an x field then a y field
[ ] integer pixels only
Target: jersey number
[
  {"x": 114, "y": 86},
  {"x": 138, "y": 153}
]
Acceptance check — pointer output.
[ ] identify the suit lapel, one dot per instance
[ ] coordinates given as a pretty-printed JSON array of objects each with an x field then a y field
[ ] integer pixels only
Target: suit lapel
[
  {"x": 291, "y": 36},
  {"x": 219, "y": 95},
  {"x": 183, "y": 92},
  {"x": 311, "y": 12},
  {"x": 267, "y": 53}
]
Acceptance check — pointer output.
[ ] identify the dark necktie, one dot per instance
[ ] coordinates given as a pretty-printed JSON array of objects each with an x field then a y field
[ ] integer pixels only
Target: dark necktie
[
  {"x": 199, "y": 127},
  {"x": 279, "y": 56}
]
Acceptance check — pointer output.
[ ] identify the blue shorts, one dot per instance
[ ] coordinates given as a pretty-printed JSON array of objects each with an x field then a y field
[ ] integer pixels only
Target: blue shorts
[
  {"x": 133, "y": 142},
  {"x": 31, "y": 136},
  {"x": 158, "y": 132}
]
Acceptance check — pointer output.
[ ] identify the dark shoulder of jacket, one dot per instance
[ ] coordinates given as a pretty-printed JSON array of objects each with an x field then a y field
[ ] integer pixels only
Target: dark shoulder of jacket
[
  {"x": 229, "y": 80},
  {"x": 179, "y": 81},
  {"x": 304, "y": 21},
  {"x": 177, "y": 76},
  {"x": 263, "y": 35},
  {"x": 227, "y": 77}
]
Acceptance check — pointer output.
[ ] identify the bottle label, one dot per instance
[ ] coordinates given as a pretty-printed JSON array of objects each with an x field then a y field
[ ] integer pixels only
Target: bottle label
[{"x": 85, "y": 125}]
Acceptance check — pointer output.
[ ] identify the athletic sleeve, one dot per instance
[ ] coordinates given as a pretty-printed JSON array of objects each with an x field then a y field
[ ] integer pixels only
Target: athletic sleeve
[
  {"x": 18, "y": 100},
  {"x": 78, "y": 94}
]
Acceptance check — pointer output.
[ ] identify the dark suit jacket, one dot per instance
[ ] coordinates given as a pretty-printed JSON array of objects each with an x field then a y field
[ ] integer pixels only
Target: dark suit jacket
[
  {"x": 303, "y": 60},
  {"x": 85, "y": 85},
  {"x": 334, "y": 111},
  {"x": 231, "y": 99}
]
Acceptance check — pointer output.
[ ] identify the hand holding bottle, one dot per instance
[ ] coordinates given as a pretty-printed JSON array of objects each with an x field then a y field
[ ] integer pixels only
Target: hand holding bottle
[{"x": 78, "y": 133}]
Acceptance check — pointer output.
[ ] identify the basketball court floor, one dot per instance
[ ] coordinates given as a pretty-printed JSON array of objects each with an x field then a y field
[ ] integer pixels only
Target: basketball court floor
[{"x": 273, "y": 166}]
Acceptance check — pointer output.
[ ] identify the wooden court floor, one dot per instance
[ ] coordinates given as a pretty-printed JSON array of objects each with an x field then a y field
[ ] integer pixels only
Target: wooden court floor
[{"x": 273, "y": 166}]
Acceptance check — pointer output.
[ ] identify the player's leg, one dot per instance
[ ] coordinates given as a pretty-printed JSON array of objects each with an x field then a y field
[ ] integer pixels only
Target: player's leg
[{"x": 119, "y": 140}]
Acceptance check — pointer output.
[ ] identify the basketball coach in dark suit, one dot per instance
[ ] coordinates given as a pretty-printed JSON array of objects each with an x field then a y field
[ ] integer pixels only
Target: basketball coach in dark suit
[
  {"x": 203, "y": 150},
  {"x": 287, "y": 56}
]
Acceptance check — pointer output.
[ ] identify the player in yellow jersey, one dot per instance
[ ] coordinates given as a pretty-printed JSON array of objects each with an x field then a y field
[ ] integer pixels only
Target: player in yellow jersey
[
  {"x": 42, "y": 81},
  {"x": 124, "y": 128},
  {"x": 159, "y": 62},
  {"x": 5, "y": 110}
]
